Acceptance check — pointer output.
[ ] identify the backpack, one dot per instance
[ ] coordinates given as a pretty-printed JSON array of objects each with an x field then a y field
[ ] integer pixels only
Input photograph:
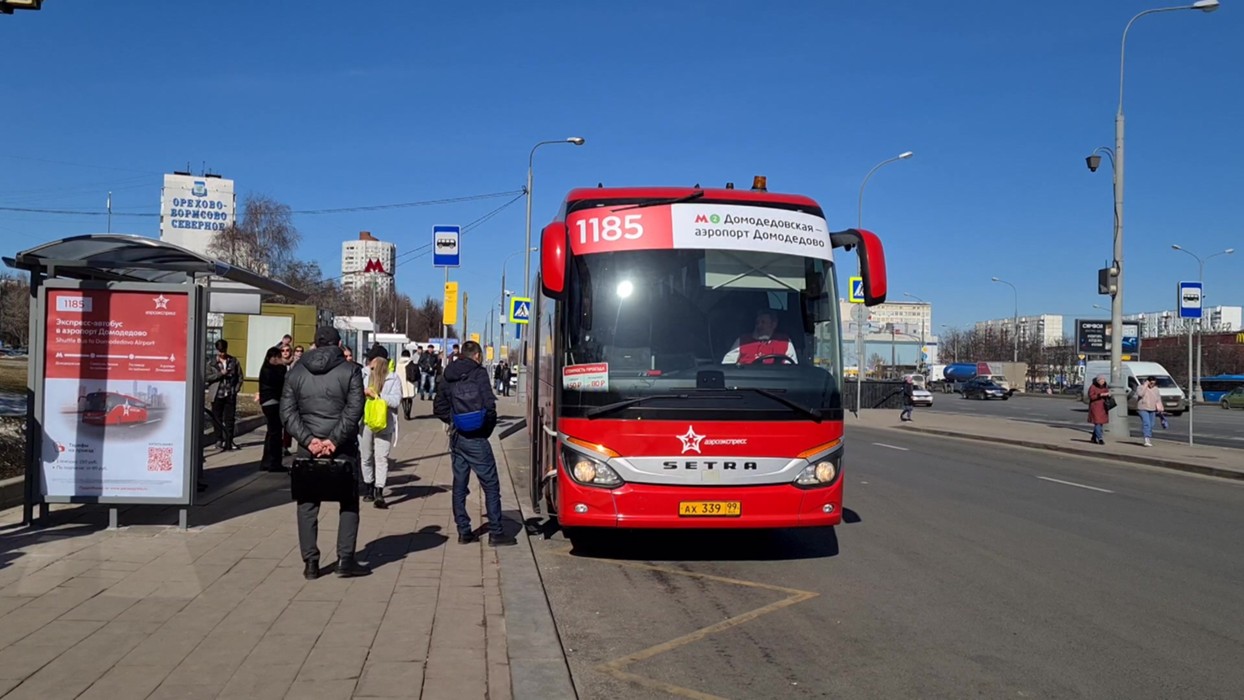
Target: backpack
[
  {"x": 412, "y": 372},
  {"x": 466, "y": 405},
  {"x": 376, "y": 415}
]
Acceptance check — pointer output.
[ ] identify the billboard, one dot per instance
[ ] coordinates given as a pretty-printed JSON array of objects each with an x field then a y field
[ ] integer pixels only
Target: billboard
[
  {"x": 193, "y": 208},
  {"x": 1093, "y": 337},
  {"x": 115, "y": 372}
]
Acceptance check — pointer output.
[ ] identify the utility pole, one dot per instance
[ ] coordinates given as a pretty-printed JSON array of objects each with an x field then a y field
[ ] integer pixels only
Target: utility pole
[{"x": 465, "y": 302}]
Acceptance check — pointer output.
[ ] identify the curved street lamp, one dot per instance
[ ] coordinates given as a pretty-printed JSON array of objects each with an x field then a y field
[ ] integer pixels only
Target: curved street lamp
[
  {"x": 1015, "y": 319},
  {"x": 859, "y": 312},
  {"x": 1118, "y": 425}
]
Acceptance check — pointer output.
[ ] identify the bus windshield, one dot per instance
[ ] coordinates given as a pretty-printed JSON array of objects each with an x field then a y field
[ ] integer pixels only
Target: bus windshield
[{"x": 712, "y": 334}]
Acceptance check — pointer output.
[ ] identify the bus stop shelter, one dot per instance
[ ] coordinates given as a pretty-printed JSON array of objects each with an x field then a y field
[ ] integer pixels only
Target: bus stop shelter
[{"x": 114, "y": 393}]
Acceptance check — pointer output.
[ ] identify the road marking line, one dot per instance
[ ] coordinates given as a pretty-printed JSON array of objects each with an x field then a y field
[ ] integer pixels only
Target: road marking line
[
  {"x": 616, "y": 667},
  {"x": 892, "y": 447},
  {"x": 1072, "y": 483}
]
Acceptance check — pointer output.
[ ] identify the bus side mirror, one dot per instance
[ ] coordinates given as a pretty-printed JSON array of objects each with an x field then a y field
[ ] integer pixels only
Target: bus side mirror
[
  {"x": 553, "y": 259},
  {"x": 872, "y": 261}
]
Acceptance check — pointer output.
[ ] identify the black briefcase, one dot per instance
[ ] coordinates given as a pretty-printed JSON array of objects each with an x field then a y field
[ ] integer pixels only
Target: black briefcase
[{"x": 323, "y": 479}]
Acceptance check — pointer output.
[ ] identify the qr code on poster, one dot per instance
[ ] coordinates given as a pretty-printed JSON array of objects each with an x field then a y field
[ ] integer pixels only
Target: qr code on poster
[{"x": 159, "y": 459}]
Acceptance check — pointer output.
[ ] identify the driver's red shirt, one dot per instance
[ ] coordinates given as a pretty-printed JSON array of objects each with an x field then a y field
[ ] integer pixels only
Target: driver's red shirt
[{"x": 748, "y": 348}]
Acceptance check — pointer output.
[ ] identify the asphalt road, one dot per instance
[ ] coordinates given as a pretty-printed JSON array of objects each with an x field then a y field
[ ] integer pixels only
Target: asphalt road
[
  {"x": 1212, "y": 425},
  {"x": 966, "y": 570}
]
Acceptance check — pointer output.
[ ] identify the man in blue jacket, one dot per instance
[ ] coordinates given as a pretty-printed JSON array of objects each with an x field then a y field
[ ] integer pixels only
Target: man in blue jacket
[{"x": 466, "y": 403}]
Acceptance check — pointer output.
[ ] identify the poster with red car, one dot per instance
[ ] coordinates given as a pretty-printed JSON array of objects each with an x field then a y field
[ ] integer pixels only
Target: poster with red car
[{"x": 114, "y": 393}]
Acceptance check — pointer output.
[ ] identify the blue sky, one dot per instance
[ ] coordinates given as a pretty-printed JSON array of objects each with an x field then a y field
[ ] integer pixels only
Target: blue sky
[{"x": 348, "y": 104}]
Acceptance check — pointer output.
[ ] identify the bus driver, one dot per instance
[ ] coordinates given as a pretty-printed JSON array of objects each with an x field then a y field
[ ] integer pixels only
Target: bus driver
[{"x": 763, "y": 342}]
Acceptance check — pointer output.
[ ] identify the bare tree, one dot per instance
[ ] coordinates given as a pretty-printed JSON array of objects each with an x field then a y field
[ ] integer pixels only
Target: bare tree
[
  {"x": 14, "y": 310},
  {"x": 264, "y": 240}
]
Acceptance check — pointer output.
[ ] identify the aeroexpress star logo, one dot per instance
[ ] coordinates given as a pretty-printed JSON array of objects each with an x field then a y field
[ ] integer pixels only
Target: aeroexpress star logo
[
  {"x": 161, "y": 302},
  {"x": 691, "y": 441}
]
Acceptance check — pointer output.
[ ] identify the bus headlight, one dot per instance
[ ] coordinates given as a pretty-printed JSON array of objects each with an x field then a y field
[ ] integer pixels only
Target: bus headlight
[
  {"x": 819, "y": 473},
  {"x": 589, "y": 471}
]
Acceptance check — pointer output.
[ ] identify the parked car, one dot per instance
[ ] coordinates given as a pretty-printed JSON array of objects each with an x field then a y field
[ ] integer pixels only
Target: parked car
[
  {"x": 1235, "y": 399},
  {"x": 921, "y": 397},
  {"x": 984, "y": 389}
]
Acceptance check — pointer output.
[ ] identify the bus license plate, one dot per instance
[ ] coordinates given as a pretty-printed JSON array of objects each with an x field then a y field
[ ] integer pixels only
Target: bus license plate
[{"x": 719, "y": 509}]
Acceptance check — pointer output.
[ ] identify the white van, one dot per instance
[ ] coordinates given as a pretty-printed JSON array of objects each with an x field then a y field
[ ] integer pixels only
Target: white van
[{"x": 1173, "y": 398}]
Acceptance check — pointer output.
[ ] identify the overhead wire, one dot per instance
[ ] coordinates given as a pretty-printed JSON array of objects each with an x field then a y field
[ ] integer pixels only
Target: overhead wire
[{"x": 339, "y": 210}]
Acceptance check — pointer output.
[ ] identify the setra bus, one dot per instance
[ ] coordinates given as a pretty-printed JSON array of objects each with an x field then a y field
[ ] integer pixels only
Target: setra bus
[{"x": 685, "y": 352}]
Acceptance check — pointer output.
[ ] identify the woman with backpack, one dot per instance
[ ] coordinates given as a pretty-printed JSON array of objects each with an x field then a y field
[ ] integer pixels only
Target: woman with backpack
[{"x": 384, "y": 392}]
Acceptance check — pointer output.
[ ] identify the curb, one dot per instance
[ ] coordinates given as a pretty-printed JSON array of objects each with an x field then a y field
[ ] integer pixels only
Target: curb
[
  {"x": 1204, "y": 470},
  {"x": 538, "y": 666}
]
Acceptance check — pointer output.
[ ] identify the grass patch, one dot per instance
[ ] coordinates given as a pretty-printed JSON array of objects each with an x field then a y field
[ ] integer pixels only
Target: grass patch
[
  {"x": 12, "y": 445},
  {"x": 13, "y": 376}
]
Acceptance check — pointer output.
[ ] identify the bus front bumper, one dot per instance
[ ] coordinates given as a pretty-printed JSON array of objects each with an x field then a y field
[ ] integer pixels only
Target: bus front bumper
[{"x": 650, "y": 506}]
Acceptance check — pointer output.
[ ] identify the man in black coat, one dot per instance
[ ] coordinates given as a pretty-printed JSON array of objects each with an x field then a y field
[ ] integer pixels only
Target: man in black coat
[
  {"x": 465, "y": 391},
  {"x": 321, "y": 406}
]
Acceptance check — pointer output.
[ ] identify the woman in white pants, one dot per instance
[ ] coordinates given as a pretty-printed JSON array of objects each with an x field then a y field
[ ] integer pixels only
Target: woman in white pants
[{"x": 374, "y": 447}]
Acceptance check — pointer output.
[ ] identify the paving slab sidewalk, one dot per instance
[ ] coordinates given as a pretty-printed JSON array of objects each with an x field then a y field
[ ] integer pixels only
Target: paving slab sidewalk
[
  {"x": 1211, "y": 461},
  {"x": 222, "y": 611}
]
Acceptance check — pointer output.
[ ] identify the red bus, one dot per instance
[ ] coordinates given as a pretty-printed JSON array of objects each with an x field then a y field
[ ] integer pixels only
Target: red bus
[
  {"x": 686, "y": 359},
  {"x": 111, "y": 408}
]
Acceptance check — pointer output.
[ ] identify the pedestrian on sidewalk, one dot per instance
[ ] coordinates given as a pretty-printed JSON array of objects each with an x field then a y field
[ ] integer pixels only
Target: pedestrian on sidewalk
[
  {"x": 909, "y": 399},
  {"x": 225, "y": 372},
  {"x": 321, "y": 407},
  {"x": 1099, "y": 411},
  {"x": 507, "y": 375},
  {"x": 428, "y": 365},
  {"x": 467, "y": 405},
  {"x": 408, "y": 373},
  {"x": 1149, "y": 406},
  {"x": 376, "y": 445},
  {"x": 271, "y": 384}
]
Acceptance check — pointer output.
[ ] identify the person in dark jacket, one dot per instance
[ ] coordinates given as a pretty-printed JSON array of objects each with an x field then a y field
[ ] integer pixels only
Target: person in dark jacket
[
  {"x": 466, "y": 389},
  {"x": 428, "y": 371},
  {"x": 271, "y": 384},
  {"x": 507, "y": 373},
  {"x": 225, "y": 372},
  {"x": 909, "y": 399},
  {"x": 321, "y": 406}
]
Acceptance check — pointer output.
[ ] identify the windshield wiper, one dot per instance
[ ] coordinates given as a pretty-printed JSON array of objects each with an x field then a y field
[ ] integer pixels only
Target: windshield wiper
[
  {"x": 814, "y": 413},
  {"x": 658, "y": 202},
  {"x": 619, "y": 405}
]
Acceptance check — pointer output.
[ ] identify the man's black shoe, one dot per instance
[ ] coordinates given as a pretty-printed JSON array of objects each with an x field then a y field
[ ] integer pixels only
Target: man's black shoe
[
  {"x": 467, "y": 538},
  {"x": 369, "y": 493},
  {"x": 348, "y": 568},
  {"x": 501, "y": 541},
  {"x": 312, "y": 570},
  {"x": 380, "y": 502}
]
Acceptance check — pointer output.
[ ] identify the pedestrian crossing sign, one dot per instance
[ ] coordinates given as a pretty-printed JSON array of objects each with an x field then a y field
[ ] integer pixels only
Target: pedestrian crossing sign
[
  {"x": 856, "y": 292},
  {"x": 520, "y": 310}
]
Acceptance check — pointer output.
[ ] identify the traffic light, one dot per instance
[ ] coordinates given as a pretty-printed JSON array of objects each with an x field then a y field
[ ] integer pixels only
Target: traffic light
[{"x": 1107, "y": 280}]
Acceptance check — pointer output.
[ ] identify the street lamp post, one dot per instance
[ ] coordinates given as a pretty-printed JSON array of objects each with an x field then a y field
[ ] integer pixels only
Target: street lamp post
[
  {"x": 860, "y": 315},
  {"x": 531, "y": 159},
  {"x": 1197, "y": 395},
  {"x": 920, "y": 355},
  {"x": 1014, "y": 320},
  {"x": 1118, "y": 425}
]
